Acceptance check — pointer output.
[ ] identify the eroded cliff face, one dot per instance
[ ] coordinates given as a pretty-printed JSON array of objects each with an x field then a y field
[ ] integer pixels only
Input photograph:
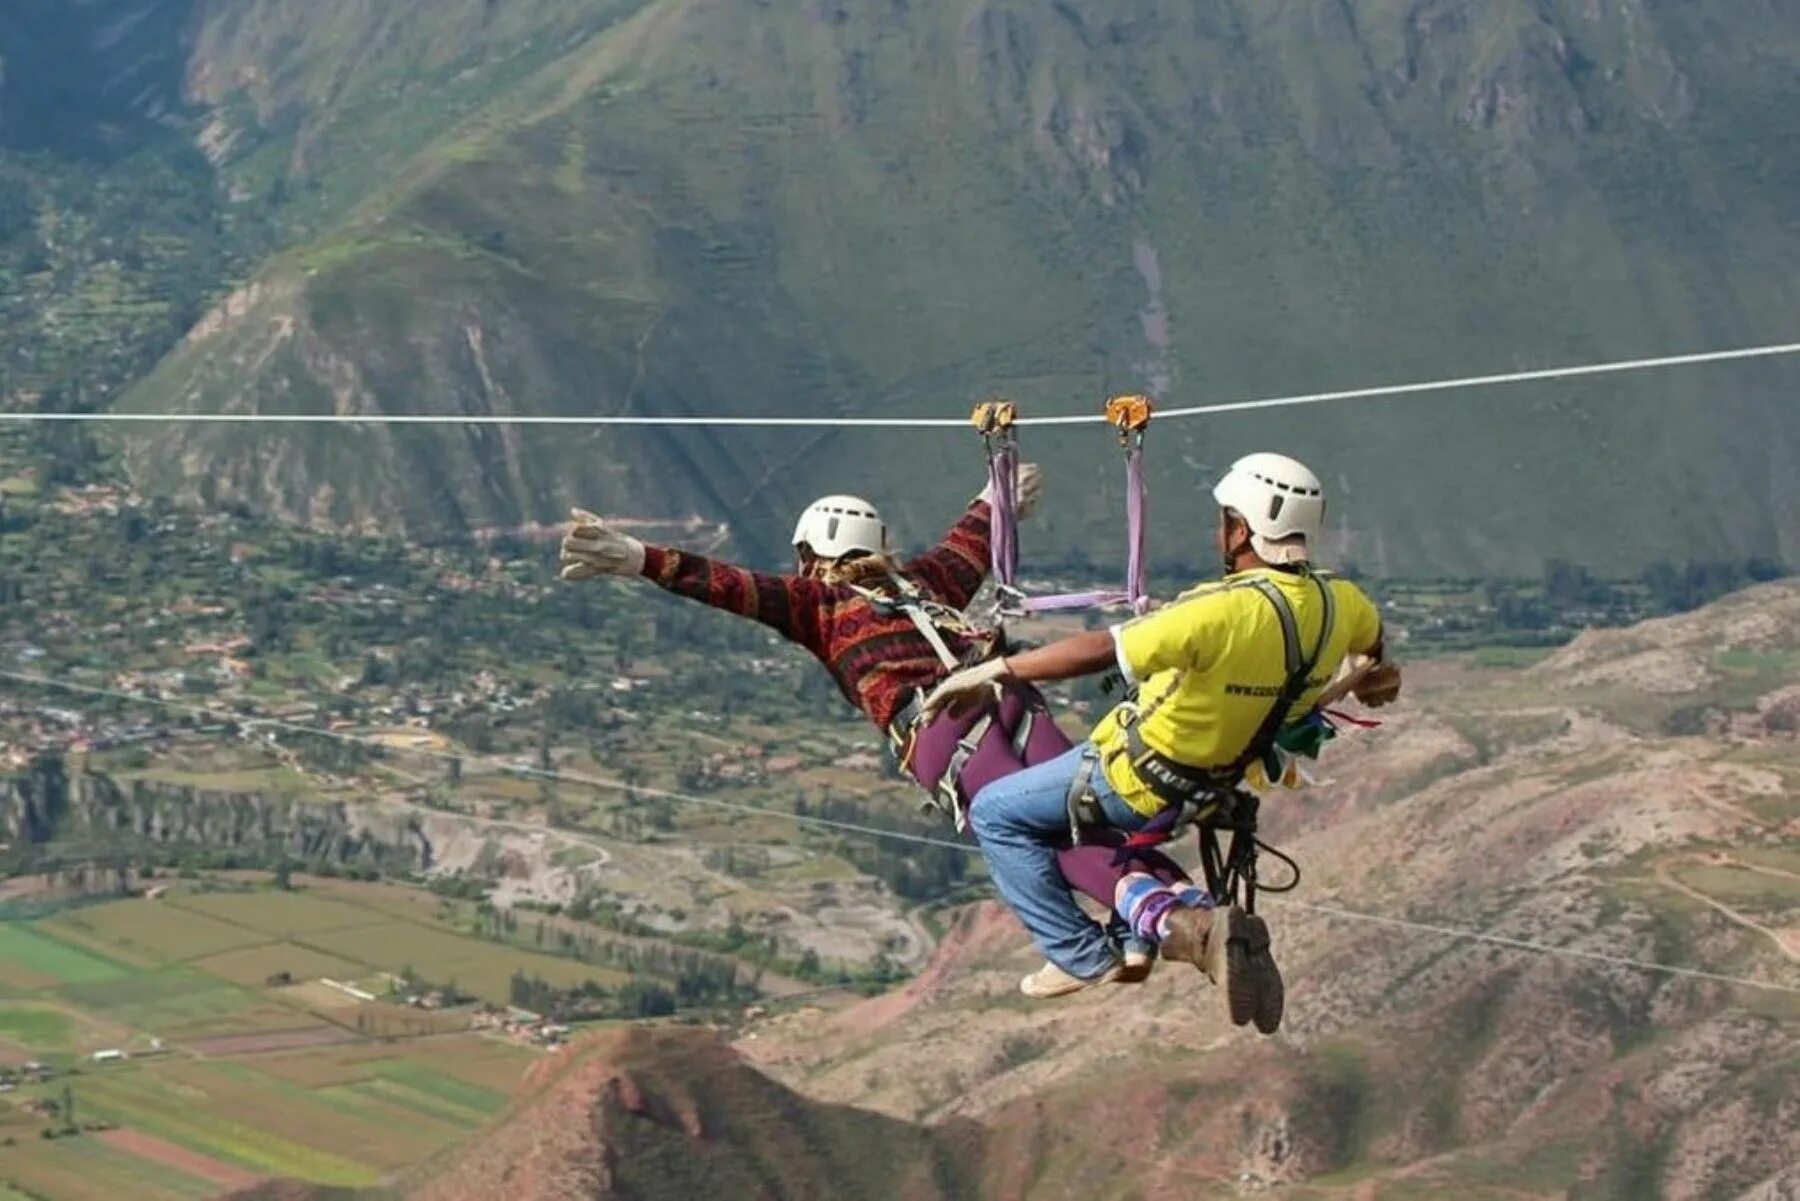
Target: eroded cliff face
[{"x": 50, "y": 803}]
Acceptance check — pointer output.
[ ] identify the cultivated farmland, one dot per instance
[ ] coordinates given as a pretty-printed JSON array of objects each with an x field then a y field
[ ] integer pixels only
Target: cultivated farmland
[{"x": 239, "y": 1061}]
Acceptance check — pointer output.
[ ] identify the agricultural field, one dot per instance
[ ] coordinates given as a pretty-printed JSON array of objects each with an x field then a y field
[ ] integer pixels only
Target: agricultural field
[
  {"x": 188, "y": 1127},
  {"x": 31, "y": 959},
  {"x": 240, "y": 1062}
]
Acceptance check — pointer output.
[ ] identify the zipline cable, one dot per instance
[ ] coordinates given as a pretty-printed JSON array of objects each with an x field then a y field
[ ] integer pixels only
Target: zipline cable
[{"x": 758, "y": 422}]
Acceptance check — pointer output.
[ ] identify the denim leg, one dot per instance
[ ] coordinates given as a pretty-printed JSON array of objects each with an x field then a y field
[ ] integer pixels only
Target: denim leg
[
  {"x": 1119, "y": 815},
  {"x": 1020, "y": 821}
]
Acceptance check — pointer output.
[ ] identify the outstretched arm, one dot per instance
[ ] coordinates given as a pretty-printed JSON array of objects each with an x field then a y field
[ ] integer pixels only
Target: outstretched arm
[
  {"x": 954, "y": 569},
  {"x": 790, "y": 605},
  {"x": 1078, "y": 655},
  {"x": 1064, "y": 659}
]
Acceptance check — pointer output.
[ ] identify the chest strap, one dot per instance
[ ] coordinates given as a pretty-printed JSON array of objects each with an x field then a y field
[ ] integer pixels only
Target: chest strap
[{"x": 929, "y": 617}]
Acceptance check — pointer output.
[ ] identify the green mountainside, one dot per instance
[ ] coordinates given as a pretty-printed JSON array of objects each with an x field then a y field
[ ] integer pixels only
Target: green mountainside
[
  {"x": 113, "y": 236},
  {"x": 876, "y": 206}
]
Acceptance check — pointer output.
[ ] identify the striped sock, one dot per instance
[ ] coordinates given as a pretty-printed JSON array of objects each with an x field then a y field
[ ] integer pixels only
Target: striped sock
[{"x": 1144, "y": 902}]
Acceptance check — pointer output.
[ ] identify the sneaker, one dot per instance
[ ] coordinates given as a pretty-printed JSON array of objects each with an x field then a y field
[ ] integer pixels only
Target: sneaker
[
  {"x": 1051, "y": 981},
  {"x": 1139, "y": 963},
  {"x": 1213, "y": 940},
  {"x": 1271, "y": 993}
]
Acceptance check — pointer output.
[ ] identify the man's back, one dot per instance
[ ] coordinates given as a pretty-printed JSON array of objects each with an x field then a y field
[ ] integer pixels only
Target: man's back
[{"x": 1209, "y": 666}]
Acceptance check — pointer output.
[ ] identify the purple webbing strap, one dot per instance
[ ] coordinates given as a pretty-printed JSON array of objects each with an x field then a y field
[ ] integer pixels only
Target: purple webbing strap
[
  {"x": 1003, "y": 538},
  {"x": 1137, "y": 563},
  {"x": 1137, "y": 567},
  {"x": 1073, "y": 600}
]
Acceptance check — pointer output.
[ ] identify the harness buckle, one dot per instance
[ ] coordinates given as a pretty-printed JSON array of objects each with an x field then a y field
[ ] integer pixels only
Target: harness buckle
[
  {"x": 1084, "y": 808},
  {"x": 1009, "y": 601}
]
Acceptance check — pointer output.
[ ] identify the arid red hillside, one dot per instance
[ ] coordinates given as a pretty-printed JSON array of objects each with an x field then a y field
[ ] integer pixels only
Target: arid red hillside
[{"x": 643, "y": 1114}]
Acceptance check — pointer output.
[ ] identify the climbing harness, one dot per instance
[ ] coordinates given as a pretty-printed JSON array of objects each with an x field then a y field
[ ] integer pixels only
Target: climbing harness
[
  {"x": 934, "y": 620},
  {"x": 1213, "y": 799},
  {"x": 944, "y": 793},
  {"x": 931, "y": 618},
  {"x": 997, "y": 423}
]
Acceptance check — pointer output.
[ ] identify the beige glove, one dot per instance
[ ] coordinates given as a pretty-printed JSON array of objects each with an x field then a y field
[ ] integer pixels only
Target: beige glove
[
  {"x": 966, "y": 689},
  {"x": 1026, "y": 495},
  {"x": 1380, "y": 686},
  {"x": 591, "y": 548}
]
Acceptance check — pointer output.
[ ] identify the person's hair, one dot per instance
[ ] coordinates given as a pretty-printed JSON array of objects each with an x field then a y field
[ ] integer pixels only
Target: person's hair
[{"x": 864, "y": 570}]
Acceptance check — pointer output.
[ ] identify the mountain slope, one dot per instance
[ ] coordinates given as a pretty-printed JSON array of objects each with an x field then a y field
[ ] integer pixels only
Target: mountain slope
[
  {"x": 1574, "y": 804},
  {"x": 1633, "y": 795},
  {"x": 113, "y": 238},
  {"x": 697, "y": 206}
]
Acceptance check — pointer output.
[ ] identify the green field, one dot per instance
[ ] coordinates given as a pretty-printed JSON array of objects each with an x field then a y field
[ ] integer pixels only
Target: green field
[
  {"x": 152, "y": 1000},
  {"x": 199, "y": 963},
  {"x": 235, "y": 1123},
  {"x": 85, "y": 1169},
  {"x": 275, "y": 914},
  {"x": 252, "y": 966},
  {"x": 482, "y": 968},
  {"x": 345, "y": 1115},
  {"x": 37, "y": 1028},
  {"x": 148, "y": 932},
  {"x": 33, "y": 958}
]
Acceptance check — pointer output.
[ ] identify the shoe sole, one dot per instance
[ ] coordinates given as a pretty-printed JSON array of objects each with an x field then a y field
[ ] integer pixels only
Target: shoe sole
[
  {"x": 1135, "y": 973},
  {"x": 1070, "y": 989},
  {"x": 1263, "y": 977},
  {"x": 1236, "y": 968}
]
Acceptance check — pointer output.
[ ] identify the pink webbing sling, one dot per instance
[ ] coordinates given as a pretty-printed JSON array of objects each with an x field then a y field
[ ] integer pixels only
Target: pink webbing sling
[{"x": 997, "y": 421}]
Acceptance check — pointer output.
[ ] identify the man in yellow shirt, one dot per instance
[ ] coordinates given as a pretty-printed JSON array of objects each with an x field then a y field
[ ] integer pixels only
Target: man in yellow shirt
[{"x": 1215, "y": 675}]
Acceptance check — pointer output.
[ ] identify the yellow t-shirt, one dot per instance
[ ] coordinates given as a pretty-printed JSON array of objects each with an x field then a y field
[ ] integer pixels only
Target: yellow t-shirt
[{"x": 1210, "y": 664}]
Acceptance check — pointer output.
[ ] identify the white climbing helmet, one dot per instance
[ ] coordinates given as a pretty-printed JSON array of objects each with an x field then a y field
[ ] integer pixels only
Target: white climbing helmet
[
  {"x": 1281, "y": 500},
  {"x": 835, "y": 526}
]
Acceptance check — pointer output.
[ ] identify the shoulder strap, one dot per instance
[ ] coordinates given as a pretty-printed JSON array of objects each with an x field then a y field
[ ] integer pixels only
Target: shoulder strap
[
  {"x": 1298, "y": 669},
  {"x": 909, "y": 603}
]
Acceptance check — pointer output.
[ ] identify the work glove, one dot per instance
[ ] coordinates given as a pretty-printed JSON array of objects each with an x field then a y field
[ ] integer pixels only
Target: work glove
[
  {"x": 591, "y": 548},
  {"x": 1025, "y": 494},
  {"x": 967, "y": 689},
  {"x": 1379, "y": 686}
]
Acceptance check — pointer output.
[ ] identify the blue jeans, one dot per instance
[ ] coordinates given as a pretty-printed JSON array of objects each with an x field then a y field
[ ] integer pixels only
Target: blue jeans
[{"x": 1020, "y": 821}]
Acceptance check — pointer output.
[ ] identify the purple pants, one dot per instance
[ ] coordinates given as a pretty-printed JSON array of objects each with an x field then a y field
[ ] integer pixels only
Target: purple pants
[{"x": 1088, "y": 868}]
